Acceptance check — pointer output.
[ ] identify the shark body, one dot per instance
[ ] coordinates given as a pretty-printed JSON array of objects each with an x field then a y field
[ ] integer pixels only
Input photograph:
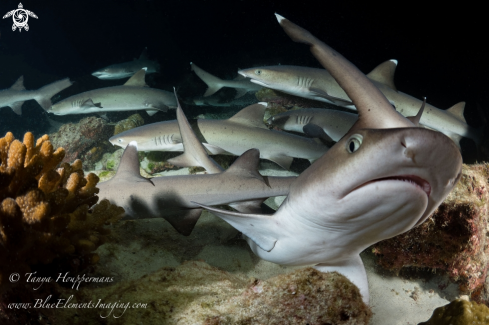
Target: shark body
[
  {"x": 234, "y": 136},
  {"x": 16, "y": 95},
  {"x": 214, "y": 83},
  {"x": 385, "y": 176},
  {"x": 133, "y": 95},
  {"x": 241, "y": 186},
  {"x": 334, "y": 123},
  {"x": 127, "y": 69},
  {"x": 319, "y": 84}
]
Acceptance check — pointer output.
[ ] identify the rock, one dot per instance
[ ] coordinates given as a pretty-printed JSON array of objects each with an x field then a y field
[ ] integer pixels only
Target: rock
[
  {"x": 196, "y": 293},
  {"x": 453, "y": 239},
  {"x": 459, "y": 312}
]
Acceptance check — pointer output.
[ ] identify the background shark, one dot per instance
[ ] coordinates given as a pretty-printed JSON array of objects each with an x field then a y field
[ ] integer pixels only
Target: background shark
[
  {"x": 16, "y": 95},
  {"x": 234, "y": 136},
  {"x": 385, "y": 176},
  {"x": 133, "y": 95},
  {"x": 319, "y": 84},
  {"x": 171, "y": 197},
  {"x": 127, "y": 69}
]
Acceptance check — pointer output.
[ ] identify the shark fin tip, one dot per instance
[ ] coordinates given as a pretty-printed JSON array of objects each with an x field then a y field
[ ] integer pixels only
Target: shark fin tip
[
  {"x": 263, "y": 103},
  {"x": 394, "y": 61},
  {"x": 133, "y": 144},
  {"x": 279, "y": 18}
]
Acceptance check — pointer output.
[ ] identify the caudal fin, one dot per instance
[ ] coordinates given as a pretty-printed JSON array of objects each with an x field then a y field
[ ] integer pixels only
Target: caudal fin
[
  {"x": 213, "y": 83},
  {"x": 45, "y": 93}
]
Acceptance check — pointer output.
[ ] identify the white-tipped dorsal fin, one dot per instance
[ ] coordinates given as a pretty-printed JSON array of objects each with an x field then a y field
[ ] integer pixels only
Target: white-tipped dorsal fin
[
  {"x": 137, "y": 79},
  {"x": 257, "y": 227},
  {"x": 194, "y": 152},
  {"x": 457, "y": 110},
  {"x": 19, "y": 84},
  {"x": 251, "y": 116},
  {"x": 384, "y": 73}
]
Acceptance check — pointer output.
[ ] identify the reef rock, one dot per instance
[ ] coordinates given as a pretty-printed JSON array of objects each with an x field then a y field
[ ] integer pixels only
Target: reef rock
[
  {"x": 454, "y": 239},
  {"x": 196, "y": 293},
  {"x": 86, "y": 140},
  {"x": 459, "y": 312},
  {"x": 131, "y": 122}
]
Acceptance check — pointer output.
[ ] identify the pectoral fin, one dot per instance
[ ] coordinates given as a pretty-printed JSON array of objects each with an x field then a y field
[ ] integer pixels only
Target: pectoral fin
[
  {"x": 353, "y": 269},
  {"x": 90, "y": 104},
  {"x": 258, "y": 228},
  {"x": 184, "y": 221},
  {"x": 17, "y": 107}
]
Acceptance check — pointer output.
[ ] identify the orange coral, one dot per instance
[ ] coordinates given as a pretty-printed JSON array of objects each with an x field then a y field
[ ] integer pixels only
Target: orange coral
[{"x": 44, "y": 211}]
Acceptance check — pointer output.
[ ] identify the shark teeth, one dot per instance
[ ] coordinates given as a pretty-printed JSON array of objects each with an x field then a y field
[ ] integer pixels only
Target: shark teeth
[{"x": 413, "y": 179}]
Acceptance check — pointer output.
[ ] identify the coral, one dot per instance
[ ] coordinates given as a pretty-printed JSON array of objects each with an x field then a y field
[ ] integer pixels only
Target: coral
[
  {"x": 453, "y": 239},
  {"x": 196, "y": 293},
  {"x": 131, "y": 122},
  {"x": 86, "y": 140},
  {"x": 44, "y": 210},
  {"x": 459, "y": 312}
]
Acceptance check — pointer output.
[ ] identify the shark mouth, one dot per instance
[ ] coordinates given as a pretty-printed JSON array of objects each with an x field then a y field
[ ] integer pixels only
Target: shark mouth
[{"x": 413, "y": 179}]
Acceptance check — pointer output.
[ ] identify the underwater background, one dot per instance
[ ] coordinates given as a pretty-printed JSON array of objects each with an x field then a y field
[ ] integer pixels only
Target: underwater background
[{"x": 442, "y": 54}]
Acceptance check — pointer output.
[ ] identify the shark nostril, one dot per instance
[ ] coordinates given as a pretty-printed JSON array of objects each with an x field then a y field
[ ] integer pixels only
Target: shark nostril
[{"x": 403, "y": 144}]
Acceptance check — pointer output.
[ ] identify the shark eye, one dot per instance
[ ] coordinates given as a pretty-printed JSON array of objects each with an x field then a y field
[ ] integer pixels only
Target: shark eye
[
  {"x": 258, "y": 72},
  {"x": 120, "y": 140},
  {"x": 354, "y": 143}
]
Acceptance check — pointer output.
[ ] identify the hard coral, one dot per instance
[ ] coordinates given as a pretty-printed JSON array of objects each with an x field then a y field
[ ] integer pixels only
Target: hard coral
[
  {"x": 459, "y": 312},
  {"x": 44, "y": 211},
  {"x": 453, "y": 240}
]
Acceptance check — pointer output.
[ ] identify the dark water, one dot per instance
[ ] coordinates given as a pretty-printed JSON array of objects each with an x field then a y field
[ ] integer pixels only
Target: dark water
[{"x": 442, "y": 52}]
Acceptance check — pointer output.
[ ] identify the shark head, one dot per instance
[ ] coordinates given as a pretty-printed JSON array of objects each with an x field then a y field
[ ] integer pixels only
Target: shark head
[
  {"x": 275, "y": 77},
  {"x": 114, "y": 71},
  {"x": 169, "y": 139}
]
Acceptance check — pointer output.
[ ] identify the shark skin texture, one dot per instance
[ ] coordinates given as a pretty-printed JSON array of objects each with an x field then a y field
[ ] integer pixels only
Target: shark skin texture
[
  {"x": 240, "y": 186},
  {"x": 127, "y": 69},
  {"x": 233, "y": 136},
  {"x": 319, "y": 84},
  {"x": 15, "y": 96},
  {"x": 133, "y": 95},
  {"x": 384, "y": 177}
]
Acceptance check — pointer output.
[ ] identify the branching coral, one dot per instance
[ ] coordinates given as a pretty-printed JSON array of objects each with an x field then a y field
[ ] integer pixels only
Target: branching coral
[{"x": 44, "y": 210}]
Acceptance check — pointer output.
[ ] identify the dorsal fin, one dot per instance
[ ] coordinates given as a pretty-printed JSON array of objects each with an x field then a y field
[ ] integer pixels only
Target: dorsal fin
[
  {"x": 137, "y": 79},
  {"x": 374, "y": 110},
  {"x": 457, "y": 110},
  {"x": 194, "y": 152},
  {"x": 384, "y": 73},
  {"x": 247, "y": 165},
  {"x": 129, "y": 165},
  {"x": 19, "y": 84},
  {"x": 144, "y": 55},
  {"x": 251, "y": 116},
  {"x": 415, "y": 119}
]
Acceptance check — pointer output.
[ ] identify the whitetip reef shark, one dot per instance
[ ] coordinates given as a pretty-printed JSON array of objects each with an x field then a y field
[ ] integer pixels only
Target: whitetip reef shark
[
  {"x": 319, "y": 84},
  {"x": 127, "y": 69},
  {"x": 384, "y": 177},
  {"x": 214, "y": 83},
  {"x": 133, "y": 95},
  {"x": 16, "y": 95},
  {"x": 171, "y": 197},
  {"x": 234, "y": 136}
]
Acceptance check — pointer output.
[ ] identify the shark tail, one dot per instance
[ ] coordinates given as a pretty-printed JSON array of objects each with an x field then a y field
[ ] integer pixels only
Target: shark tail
[
  {"x": 213, "y": 83},
  {"x": 45, "y": 93}
]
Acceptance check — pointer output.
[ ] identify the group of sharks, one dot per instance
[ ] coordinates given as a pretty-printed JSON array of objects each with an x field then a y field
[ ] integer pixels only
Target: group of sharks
[
  {"x": 386, "y": 167},
  {"x": 385, "y": 175}
]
